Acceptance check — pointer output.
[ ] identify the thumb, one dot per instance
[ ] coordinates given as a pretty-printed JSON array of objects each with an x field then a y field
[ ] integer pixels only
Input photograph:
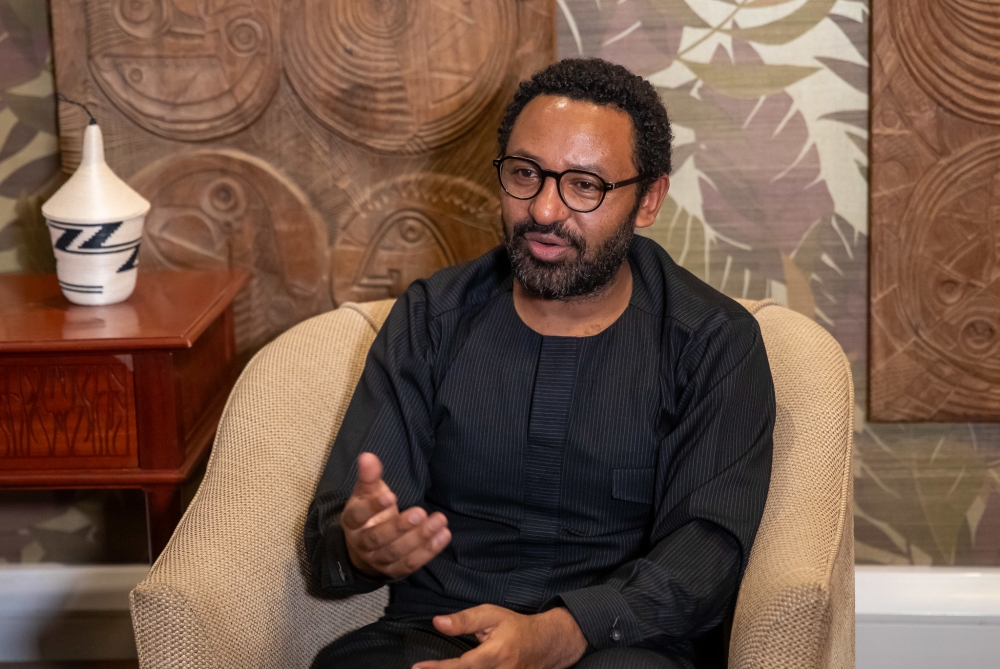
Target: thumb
[
  {"x": 470, "y": 621},
  {"x": 369, "y": 474}
]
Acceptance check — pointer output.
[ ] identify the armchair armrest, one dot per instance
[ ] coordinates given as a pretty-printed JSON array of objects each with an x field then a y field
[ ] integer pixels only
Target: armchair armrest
[
  {"x": 230, "y": 589},
  {"x": 796, "y": 601}
]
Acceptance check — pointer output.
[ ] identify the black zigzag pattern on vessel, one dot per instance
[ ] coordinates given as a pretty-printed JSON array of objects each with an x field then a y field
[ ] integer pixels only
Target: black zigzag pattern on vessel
[
  {"x": 131, "y": 262},
  {"x": 97, "y": 241},
  {"x": 66, "y": 238}
]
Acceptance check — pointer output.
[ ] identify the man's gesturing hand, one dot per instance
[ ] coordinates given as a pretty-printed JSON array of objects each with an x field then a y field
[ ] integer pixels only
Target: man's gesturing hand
[
  {"x": 381, "y": 541},
  {"x": 508, "y": 640}
]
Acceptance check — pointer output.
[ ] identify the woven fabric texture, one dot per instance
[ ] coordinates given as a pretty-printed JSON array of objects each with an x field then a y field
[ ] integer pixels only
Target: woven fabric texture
[
  {"x": 796, "y": 602},
  {"x": 230, "y": 588}
]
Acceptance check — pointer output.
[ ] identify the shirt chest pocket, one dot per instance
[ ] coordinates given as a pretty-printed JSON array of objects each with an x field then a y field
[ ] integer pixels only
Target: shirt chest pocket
[
  {"x": 633, "y": 485},
  {"x": 591, "y": 511}
]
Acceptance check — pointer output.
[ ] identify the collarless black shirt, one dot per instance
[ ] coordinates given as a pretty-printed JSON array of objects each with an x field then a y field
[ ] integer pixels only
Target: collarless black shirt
[{"x": 621, "y": 475}]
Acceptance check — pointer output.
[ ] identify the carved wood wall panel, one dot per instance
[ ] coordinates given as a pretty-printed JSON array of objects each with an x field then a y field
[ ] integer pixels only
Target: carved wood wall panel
[
  {"x": 185, "y": 70},
  {"x": 340, "y": 149},
  {"x": 213, "y": 209},
  {"x": 406, "y": 228},
  {"x": 935, "y": 215}
]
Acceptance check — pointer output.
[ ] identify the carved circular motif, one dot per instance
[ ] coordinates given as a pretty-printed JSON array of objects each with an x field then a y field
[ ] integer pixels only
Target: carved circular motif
[
  {"x": 224, "y": 199},
  {"x": 979, "y": 335},
  {"x": 950, "y": 275},
  {"x": 951, "y": 48},
  {"x": 398, "y": 75},
  {"x": 141, "y": 18},
  {"x": 408, "y": 228},
  {"x": 186, "y": 76},
  {"x": 244, "y": 35},
  {"x": 219, "y": 209}
]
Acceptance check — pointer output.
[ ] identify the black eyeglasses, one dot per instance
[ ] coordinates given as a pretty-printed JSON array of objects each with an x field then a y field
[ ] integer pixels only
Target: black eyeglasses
[{"x": 584, "y": 192}]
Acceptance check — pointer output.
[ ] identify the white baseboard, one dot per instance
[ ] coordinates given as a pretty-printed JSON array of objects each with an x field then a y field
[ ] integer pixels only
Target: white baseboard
[
  {"x": 62, "y": 612},
  {"x": 927, "y": 617},
  {"x": 907, "y": 617}
]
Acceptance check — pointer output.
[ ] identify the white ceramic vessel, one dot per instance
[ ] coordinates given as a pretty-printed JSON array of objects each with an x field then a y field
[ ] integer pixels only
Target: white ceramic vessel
[{"x": 95, "y": 221}]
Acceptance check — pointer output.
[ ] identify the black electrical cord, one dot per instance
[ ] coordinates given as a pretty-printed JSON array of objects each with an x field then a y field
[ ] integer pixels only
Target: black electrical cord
[{"x": 63, "y": 98}]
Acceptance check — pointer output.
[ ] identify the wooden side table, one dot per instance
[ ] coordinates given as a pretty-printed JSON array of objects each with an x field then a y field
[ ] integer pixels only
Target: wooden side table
[{"x": 121, "y": 396}]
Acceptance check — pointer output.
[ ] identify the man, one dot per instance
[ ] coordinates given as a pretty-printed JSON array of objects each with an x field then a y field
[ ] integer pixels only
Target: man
[{"x": 558, "y": 454}]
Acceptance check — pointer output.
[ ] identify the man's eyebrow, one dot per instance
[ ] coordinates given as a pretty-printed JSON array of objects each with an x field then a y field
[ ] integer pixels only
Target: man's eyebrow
[{"x": 596, "y": 169}]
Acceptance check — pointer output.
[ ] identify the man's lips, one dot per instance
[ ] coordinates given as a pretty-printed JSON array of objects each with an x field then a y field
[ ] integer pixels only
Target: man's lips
[{"x": 546, "y": 246}]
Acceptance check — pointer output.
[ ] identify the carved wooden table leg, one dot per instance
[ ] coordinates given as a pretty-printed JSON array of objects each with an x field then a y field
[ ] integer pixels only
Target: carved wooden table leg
[{"x": 163, "y": 511}]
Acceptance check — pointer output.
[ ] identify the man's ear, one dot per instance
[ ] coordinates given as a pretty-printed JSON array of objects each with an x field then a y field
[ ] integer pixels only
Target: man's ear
[{"x": 651, "y": 202}]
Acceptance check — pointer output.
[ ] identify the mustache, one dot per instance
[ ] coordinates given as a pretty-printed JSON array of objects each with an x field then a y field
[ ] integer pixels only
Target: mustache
[{"x": 521, "y": 228}]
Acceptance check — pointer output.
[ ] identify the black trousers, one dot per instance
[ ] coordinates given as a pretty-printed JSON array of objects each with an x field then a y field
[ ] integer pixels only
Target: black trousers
[{"x": 395, "y": 644}]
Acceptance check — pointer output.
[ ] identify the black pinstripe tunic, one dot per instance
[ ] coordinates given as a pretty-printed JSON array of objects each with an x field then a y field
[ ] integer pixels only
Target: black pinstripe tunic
[{"x": 621, "y": 475}]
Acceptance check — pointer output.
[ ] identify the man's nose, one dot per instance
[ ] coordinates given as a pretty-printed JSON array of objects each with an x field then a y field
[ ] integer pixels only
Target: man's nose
[{"x": 547, "y": 208}]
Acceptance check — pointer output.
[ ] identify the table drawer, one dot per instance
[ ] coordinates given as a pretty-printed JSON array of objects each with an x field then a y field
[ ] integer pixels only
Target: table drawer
[{"x": 67, "y": 412}]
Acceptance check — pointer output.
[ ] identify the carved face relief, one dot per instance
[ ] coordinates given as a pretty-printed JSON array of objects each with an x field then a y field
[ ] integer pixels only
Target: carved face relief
[
  {"x": 398, "y": 75},
  {"x": 183, "y": 69},
  {"x": 408, "y": 229},
  {"x": 218, "y": 209}
]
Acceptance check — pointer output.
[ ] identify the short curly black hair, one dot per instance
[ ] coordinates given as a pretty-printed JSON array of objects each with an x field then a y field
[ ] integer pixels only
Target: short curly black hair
[{"x": 603, "y": 83}]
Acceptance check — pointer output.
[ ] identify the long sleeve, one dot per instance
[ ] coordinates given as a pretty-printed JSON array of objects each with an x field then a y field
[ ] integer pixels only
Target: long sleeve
[
  {"x": 711, "y": 485},
  {"x": 389, "y": 415}
]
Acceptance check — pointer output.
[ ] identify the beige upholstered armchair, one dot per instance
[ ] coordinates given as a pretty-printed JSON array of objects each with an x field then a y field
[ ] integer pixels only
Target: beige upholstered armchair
[{"x": 229, "y": 590}]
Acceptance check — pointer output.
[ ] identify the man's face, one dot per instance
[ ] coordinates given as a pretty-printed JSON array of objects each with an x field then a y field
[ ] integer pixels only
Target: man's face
[{"x": 557, "y": 253}]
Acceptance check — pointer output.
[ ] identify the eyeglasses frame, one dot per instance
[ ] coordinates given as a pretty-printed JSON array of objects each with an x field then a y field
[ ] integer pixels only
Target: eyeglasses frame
[{"x": 497, "y": 163}]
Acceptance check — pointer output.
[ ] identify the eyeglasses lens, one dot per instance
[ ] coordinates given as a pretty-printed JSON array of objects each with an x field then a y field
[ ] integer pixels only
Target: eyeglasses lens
[
  {"x": 520, "y": 178},
  {"x": 581, "y": 191},
  {"x": 523, "y": 179}
]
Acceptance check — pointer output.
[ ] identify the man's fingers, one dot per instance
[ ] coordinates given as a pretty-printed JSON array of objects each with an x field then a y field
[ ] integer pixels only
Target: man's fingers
[
  {"x": 418, "y": 557},
  {"x": 430, "y": 535},
  {"x": 381, "y": 531},
  {"x": 360, "y": 510},
  {"x": 470, "y": 621}
]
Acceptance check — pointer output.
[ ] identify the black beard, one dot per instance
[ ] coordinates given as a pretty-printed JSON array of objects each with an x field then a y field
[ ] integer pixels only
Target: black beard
[{"x": 585, "y": 274}]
